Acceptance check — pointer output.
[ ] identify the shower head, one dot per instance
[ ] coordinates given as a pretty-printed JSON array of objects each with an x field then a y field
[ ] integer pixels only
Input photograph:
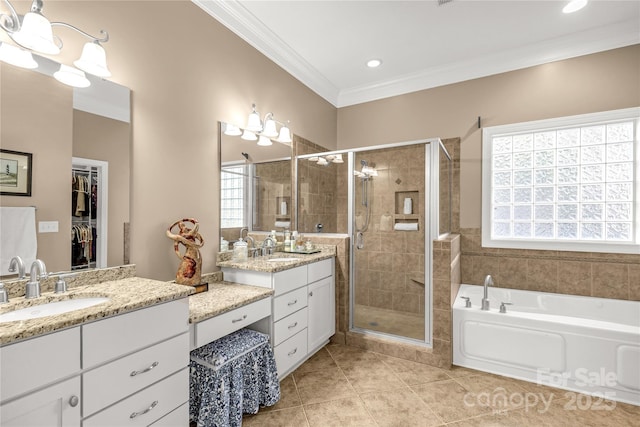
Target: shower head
[{"x": 367, "y": 171}]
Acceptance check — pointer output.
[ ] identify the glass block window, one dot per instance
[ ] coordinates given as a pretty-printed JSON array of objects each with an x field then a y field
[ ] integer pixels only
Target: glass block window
[
  {"x": 563, "y": 184},
  {"x": 232, "y": 194}
]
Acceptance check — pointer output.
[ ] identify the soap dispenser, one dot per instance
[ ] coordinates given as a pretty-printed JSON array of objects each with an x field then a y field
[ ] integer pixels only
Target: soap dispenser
[{"x": 240, "y": 251}]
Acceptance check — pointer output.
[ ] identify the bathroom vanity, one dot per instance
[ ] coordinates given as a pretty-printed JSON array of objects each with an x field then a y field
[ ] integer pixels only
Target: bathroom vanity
[
  {"x": 119, "y": 364},
  {"x": 303, "y": 304}
]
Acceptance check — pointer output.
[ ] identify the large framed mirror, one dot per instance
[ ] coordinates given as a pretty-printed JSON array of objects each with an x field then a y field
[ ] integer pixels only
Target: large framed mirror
[{"x": 57, "y": 123}]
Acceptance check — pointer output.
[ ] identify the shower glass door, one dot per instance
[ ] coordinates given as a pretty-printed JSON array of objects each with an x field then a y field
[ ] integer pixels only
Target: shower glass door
[{"x": 390, "y": 224}]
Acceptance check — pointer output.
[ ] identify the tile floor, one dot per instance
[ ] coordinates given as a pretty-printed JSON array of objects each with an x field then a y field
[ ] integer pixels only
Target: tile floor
[
  {"x": 389, "y": 321},
  {"x": 347, "y": 386}
]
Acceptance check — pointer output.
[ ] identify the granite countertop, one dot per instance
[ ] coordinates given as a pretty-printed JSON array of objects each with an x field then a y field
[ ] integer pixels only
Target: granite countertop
[
  {"x": 293, "y": 260},
  {"x": 124, "y": 295},
  {"x": 222, "y": 297}
]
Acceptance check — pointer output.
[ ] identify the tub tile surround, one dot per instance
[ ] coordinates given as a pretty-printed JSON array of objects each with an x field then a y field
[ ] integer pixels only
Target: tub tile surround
[
  {"x": 600, "y": 275},
  {"x": 332, "y": 389}
]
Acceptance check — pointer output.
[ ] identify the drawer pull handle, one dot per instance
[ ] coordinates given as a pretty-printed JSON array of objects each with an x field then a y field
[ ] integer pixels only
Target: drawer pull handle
[
  {"x": 153, "y": 365},
  {"x": 292, "y": 352},
  {"x": 73, "y": 401},
  {"x": 153, "y": 405},
  {"x": 311, "y": 293},
  {"x": 295, "y": 301},
  {"x": 293, "y": 326},
  {"x": 239, "y": 320}
]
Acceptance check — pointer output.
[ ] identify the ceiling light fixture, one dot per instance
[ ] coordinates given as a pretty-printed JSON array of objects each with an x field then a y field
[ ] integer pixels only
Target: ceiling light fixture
[
  {"x": 34, "y": 32},
  {"x": 574, "y": 6},
  {"x": 374, "y": 63},
  {"x": 267, "y": 128}
]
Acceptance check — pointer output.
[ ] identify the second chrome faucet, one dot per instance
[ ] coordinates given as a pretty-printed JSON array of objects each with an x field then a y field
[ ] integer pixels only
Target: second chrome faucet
[{"x": 38, "y": 271}]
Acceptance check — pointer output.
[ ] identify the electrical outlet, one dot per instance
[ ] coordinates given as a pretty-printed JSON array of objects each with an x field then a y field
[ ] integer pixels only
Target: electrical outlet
[{"x": 47, "y": 226}]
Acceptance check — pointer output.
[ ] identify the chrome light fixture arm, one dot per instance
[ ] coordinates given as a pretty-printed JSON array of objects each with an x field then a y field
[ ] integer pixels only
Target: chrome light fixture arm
[
  {"x": 103, "y": 39},
  {"x": 10, "y": 23}
]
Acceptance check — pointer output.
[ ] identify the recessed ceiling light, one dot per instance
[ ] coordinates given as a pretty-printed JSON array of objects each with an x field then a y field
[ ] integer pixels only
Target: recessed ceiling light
[
  {"x": 574, "y": 6},
  {"x": 373, "y": 63}
]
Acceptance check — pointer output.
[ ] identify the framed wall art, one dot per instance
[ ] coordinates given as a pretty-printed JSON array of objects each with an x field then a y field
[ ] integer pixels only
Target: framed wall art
[{"x": 15, "y": 173}]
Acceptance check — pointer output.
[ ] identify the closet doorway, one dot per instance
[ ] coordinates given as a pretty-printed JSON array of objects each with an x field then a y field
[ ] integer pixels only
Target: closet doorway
[{"x": 89, "y": 209}]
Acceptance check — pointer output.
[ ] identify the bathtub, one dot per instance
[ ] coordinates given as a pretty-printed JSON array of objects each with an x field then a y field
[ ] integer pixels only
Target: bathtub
[{"x": 584, "y": 344}]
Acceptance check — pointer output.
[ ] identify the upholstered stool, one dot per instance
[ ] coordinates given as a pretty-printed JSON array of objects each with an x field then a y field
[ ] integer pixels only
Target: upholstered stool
[{"x": 232, "y": 376}]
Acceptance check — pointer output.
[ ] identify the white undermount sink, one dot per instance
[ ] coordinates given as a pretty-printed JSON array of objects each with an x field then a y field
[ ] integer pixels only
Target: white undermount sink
[
  {"x": 282, "y": 259},
  {"x": 50, "y": 309}
]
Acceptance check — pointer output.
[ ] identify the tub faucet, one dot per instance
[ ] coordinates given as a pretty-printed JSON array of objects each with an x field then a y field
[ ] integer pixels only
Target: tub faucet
[
  {"x": 488, "y": 281},
  {"x": 16, "y": 262},
  {"x": 38, "y": 271}
]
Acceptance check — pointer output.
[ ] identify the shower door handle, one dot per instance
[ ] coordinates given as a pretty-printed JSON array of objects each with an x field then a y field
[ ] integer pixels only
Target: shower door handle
[{"x": 359, "y": 240}]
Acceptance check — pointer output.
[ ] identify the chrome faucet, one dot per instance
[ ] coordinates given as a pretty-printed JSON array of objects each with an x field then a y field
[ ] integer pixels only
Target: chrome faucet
[
  {"x": 16, "y": 262},
  {"x": 488, "y": 281},
  {"x": 38, "y": 271},
  {"x": 268, "y": 244},
  {"x": 247, "y": 237}
]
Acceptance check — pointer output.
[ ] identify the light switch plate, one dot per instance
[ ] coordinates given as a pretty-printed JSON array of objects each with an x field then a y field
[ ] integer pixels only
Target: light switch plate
[{"x": 47, "y": 226}]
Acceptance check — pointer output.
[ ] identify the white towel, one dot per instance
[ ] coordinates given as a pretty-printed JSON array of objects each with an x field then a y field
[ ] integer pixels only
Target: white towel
[
  {"x": 283, "y": 224},
  {"x": 405, "y": 226},
  {"x": 17, "y": 236}
]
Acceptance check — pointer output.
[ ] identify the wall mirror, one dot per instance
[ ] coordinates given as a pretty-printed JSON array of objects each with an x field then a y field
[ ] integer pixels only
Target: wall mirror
[
  {"x": 56, "y": 123},
  {"x": 255, "y": 184}
]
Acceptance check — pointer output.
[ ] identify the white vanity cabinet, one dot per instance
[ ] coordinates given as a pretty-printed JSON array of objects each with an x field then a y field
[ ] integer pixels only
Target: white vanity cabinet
[
  {"x": 303, "y": 312},
  {"x": 40, "y": 381},
  {"x": 130, "y": 369},
  {"x": 135, "y": 366}
]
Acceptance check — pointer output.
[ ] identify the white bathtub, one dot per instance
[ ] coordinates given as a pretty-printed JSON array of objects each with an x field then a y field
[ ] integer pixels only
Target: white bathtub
[{"x": 585, "y": 344}]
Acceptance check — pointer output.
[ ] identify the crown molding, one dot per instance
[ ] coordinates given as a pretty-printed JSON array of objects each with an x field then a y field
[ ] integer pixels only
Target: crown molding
[
  {"x": 233, "y": 15},
  {"x": 579, "y": 44}
]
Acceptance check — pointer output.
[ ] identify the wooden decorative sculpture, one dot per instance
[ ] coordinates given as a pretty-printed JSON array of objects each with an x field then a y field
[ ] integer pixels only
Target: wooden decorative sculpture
[{"x": 190, "y": 270}]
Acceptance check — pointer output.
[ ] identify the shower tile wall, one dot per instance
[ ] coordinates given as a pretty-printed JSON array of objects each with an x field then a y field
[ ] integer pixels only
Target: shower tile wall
[
  {"x": 316, "y": 191},
  {"x": 390, "y": 267},
  {"x": 274, "y": 183}
]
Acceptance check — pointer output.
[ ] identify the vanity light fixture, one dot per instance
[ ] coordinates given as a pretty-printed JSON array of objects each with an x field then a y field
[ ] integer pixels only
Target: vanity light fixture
[
  {"x": 264, "y": 141},
  {"x": 574, "y": 6},
  {"x": 326, "y": 160},
  {"x": 15, "y": 56},
  {"x": 71, "y": 76},
  {"x": 232, "y": 130},
  {"x": 268, "y": 127},
  {"x": 34, "y": 32}
]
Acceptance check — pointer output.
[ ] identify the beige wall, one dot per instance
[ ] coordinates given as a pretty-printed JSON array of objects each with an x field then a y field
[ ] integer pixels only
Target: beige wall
[
  {"x": 186, "y": 71},
  {"x": 44, "y": 129},
  {"x": 599, "y": 82}
]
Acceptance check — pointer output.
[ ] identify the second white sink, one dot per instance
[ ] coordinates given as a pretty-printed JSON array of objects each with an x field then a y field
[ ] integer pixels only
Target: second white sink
[{"x": 50, "y": 309}]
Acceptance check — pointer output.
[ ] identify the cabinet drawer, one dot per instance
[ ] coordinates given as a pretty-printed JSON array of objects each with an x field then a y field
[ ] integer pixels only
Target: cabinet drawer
[
  {"x": 175, "y": 418},
  {"x": 284, "y": 305},
  {"x": 33, "y": 363},
  {"x": 146, "y": 406},
  {"x": 289, "y": 326},
  {"x": 290, "y": 352},
  {"x": 288, "y": 280},
  {"x": 114, "y": 381},
  {"x": 219, "y": 326},
  {"x": 119, "y": 335},
  {"x": 320, "y": 270}
]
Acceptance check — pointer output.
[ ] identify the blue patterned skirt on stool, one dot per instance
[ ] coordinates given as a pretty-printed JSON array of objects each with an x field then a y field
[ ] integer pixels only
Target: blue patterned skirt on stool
[{"x": 230, "y": 377}]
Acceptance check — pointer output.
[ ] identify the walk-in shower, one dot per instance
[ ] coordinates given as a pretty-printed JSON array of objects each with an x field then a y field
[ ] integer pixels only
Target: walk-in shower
[{"x": 385, "y": 198}]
